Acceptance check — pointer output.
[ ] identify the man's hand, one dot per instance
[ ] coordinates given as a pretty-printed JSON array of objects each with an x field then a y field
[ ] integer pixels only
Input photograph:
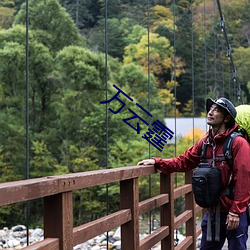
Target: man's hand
[
  {"x": 232, "y": 221},
  {"x": 146, "y": 162}
]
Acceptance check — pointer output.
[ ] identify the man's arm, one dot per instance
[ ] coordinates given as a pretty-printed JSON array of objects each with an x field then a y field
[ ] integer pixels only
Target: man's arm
[
  {"x": 241, "y": 175},
  {"x": 185, "y": 162}
]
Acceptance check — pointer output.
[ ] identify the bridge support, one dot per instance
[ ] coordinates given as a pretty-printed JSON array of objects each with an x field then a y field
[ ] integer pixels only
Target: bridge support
[
  {"x": 58, "y": 219},
  {"x": 190, "y": 205},
  {"x": 130, "y": 199},
  {"x": 167, "y": 210}
]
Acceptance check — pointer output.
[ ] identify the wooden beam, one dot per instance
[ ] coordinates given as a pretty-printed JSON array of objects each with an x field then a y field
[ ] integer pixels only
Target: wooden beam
[
  {"x": 190, "y": 205},
  {"x": 46, "y": 244},
  {"x": 185, "y": 189},
  {"x": 152, "y": 203},
  {"x": 58, "y": 219},
  {"x": 90, "y": 230},
  {"x": 154, "y": 238},
  {"x": 182, "y": 218},
  {"x": 167, "y": 210},
  {"x": 24, "y": 190},
  {"x": 129, "y": 197},
  {"x": 185, "y": 244},
  {"x": 99, "y": 177}
]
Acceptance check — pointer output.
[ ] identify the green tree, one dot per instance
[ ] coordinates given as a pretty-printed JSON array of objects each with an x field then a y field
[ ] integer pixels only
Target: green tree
[
  {"x": 53, "y": 25},
  {"x": 84, "y": 13}
]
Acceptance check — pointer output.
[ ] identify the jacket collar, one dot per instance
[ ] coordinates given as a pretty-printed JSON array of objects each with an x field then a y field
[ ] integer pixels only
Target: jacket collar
[{"x": 222, "y": 136}]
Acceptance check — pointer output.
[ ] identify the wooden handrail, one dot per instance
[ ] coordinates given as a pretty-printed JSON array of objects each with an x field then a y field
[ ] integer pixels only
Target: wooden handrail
[{"x": 56, "y": 191}]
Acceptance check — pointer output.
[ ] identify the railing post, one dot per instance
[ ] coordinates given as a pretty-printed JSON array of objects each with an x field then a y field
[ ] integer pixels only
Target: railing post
[
  {"x": 58, "y": 219},
  {"x": 167, "y": 210},
  {"x": 129, "y": 198},
  {"x": 190, "y": 205}
]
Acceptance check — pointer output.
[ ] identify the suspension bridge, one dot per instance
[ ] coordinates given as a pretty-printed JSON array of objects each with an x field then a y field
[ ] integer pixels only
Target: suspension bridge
[{"x": 56, "y": 192}]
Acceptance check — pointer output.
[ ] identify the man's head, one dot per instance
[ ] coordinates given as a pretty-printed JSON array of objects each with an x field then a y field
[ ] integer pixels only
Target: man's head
[{"x": 220, "y": 111}]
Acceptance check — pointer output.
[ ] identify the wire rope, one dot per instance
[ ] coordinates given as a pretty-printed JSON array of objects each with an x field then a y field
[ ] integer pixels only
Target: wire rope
[
  {"x": 215, "y": 52},
  {"x": 192, "y": 76},
  {"x": 175, "y": 95},
  {"x": 205, "y": 50},
  {"x": 236, "y": 83},
  {"x": 107, "y": 120},
  {"x": 27, "y": 207},
  {"x": 149, "y": 151}
]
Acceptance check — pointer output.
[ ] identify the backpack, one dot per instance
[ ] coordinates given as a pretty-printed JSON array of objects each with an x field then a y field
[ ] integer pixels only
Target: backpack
[
  {"x": 243, "y": 120},
  {"x": 206, "y": 179}
]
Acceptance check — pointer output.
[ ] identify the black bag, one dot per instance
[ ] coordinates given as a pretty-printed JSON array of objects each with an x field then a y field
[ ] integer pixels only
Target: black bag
[{"x": 206, "y": 181}]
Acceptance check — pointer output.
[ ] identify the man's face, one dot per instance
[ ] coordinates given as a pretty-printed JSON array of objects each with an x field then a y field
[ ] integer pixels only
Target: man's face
[{"x": 215, "y": 116}]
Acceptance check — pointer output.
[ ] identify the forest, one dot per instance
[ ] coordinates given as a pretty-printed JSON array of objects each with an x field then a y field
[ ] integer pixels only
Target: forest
[{"x": 58, "y": 70}]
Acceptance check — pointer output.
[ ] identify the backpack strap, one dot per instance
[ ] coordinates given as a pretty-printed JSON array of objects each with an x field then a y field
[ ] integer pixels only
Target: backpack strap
[
  {"x": 203, "y": 152},
  {"x": 227, "y": 151},
  {"x": 227, "y": 148}
]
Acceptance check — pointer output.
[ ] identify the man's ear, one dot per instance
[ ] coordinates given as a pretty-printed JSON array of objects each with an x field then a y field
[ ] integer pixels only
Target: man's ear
[{"x": 227, "y": 118}]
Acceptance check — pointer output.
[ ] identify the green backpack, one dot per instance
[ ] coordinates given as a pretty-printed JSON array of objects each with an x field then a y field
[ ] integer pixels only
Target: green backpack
[{"x": 243, "y": 120}]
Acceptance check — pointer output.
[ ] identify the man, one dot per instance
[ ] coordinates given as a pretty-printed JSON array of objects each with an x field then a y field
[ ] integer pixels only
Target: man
[{"x": 221, "y": 115}]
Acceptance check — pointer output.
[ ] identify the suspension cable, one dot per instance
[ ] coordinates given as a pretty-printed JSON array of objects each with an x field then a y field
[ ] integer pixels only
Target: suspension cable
[
  {"x": 175, "y": 95},
  {"x": 27, "y": 207},
  {"x": 192, "y": 77},
  {"x": 149, "y": 151},
  {"x": 215, "y": 53},
  {"x": 229, "y": 53},
  {"x": 107, "y": 120},
  {"x": 205, "y": 51},
  {"x": 174, "y": 73}
]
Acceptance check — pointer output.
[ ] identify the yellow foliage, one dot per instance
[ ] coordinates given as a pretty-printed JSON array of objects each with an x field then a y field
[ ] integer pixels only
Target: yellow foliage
[
  {"x": 195, "y": 134},
  {"x": 189, "y": 139},
  {"x": 188, "y": 109},
  {"x": 172, "y": 84},
  {"x": 203, "y": 114},
  {"x": 166, "y": 96},
  {"x": 161, "y": 15}
]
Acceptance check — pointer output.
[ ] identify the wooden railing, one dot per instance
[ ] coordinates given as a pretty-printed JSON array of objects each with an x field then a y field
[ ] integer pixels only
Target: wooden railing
[{"x": 59, "y": 232}]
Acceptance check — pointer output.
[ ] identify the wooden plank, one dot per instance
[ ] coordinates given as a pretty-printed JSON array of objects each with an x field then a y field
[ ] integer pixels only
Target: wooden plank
[
  {"x": 129, "y": 196},
  {"x": 182, "y": 218},
  {"x": 198, "y": 231},
  {"x": 58, "y": 219},
  {"x": 46, "y": 244},
  {"x": 178, "y": 192},
  {"x": 167, "y": 210},
  {"x": 185, "y": 244},
  {"x": 24, "y": 190},
  {"x": 190, "y": 205},
  {"x": 99, "y": 177},
  {"x": 154, "y": 238},
  {"x": 152, "y": 203},
  {"x": 90, "y": 230},
  {"x": 198, "y": 209}
]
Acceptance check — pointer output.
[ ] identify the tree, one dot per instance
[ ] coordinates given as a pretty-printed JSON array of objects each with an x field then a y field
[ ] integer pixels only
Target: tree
[
  {"x": 242, "y": 64},
  {"x": 84, "y": 13},
  {"x": 53, "y": 25},
  {"x": 118, "y": 31},
  {"x": 161, "y": 57},
  {"x": 161, "y": 16}
]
